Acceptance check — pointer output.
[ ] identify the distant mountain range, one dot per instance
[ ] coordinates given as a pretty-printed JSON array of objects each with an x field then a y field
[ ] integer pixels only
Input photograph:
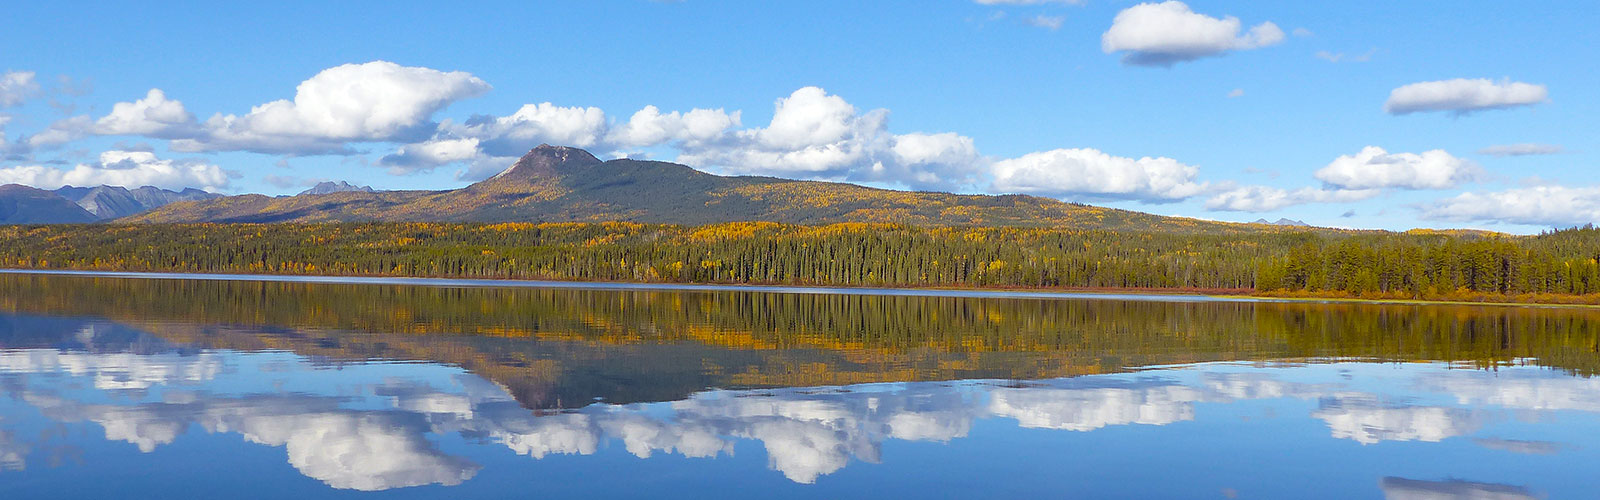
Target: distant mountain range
[
  {"x": 27, "y": 205},
  {"x": 563, "y": 184},
  {"x": 70, "y": 204},
  {"x": 326, "y": 187},
  {"x": 115, "y": 202},
  {"x": 1283, "y": 222}
]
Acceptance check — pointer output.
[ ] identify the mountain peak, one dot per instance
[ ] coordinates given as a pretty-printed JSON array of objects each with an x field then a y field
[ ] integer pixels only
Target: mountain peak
[
  {"x": 1283, "y": 222},
  {"x": 548, "y": 160},
  {"x": 326, "y": 187}
]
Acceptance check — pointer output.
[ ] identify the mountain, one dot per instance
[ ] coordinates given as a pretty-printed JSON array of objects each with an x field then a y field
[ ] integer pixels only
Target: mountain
[
  {"x": 26, "y": 205},
  {"x": 562, "y": 184},
  {"x": 112, "y": 202},
  {"x": 326, "y": 187},
  {"x": 1283, "y": 222}
]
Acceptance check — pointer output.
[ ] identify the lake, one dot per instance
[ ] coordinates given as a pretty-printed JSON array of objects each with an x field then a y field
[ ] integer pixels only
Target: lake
[{"x": 174, "y": 388}]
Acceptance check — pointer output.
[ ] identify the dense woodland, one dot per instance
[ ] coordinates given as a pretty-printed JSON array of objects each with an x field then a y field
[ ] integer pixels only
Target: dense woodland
[{"x": 1556, "y": 266}]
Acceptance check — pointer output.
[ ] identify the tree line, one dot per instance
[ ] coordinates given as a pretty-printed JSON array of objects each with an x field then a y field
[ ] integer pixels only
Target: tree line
[{"x": 1557, "y": 265}]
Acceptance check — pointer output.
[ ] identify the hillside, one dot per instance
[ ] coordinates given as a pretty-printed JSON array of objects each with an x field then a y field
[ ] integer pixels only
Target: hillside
[
  {"x": 561, "y": 184},
  {"x": 26, "y": 205}
]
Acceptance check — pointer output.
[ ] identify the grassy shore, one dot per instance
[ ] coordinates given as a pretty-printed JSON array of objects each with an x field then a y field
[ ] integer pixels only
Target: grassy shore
[{"x": 1460, "y": 298}]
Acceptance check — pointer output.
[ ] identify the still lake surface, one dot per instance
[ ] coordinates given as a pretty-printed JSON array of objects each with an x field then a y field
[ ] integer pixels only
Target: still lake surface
[{"x": 171, "y": 388}]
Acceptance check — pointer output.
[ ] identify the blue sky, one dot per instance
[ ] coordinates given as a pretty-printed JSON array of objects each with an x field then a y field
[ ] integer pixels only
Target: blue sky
[{"x": 1227, "y": 110}]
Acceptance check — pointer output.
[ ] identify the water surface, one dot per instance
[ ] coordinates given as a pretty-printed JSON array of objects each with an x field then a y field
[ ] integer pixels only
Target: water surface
[{"x": 146, "y": 388}]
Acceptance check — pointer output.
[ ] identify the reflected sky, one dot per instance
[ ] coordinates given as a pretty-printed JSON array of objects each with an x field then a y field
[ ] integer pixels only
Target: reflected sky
[{"x": 137, "y": 415}]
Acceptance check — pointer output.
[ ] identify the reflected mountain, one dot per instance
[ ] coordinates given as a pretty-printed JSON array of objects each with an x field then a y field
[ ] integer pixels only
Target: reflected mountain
[{"x": 550, "y": 347}]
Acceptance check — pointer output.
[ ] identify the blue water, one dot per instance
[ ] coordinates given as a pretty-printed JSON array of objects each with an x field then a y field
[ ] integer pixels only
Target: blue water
[{"x": 150, "y": 406}]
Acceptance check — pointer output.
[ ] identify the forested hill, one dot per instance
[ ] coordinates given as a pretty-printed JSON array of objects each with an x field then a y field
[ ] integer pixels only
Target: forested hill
[{"x": 561, "y": 184}]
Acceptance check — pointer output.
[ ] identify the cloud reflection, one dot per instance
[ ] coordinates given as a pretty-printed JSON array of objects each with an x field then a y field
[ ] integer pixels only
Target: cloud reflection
[
  {"x": 347, "y": 449},
  {"x": 377, "y": 431},
  {"x": 1399, "y": 488},
  {"x": 111, "y": 371}
]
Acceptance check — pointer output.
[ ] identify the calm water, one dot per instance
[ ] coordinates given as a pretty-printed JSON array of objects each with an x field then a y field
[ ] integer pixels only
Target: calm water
[{"x": 180, "y": 388}]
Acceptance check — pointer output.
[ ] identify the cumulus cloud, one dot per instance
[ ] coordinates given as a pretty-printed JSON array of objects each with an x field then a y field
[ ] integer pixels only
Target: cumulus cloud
[
  {"x": 1535, "y": 205},
  {"x": 1462, "y": 96},
  {"x": 129, "y": 169},
  {"x": 650, "y": 127},
  {"x": 1354, "y": 178},
  {"x": 154, "y": 116},
  {"x": 1522, "y": 149},
  {"x": 1163, "y": 34},
  {"x": 1267, "y": 199},
  {"x": 375, "y": 101},
  {"x": 489, "y": 143},
  {"x": 1374, "y": 168},
  {"x": 1091, "y": 174},
  {"x": 820, "y": 136},
  {"x": 429, "y": 154},
  {"x": 16, "y": 87},
  {"x": 61, "y": 132},
  {"x": 531, "y": 125}
]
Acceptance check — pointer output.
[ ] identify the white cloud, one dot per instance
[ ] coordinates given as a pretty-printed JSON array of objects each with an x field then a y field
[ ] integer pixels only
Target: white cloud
[
  {"x": 129, "y": 169},
  {"x": 1374, "y": 168},
  {"x": 61, "y": 132},
  {"x": 1163, "y": 34},
  {"x": 1092, "y": 174},
  {"x": 650, "y": 127},
  {"x": 1267, "y": 199},
  {"x": 1235, "y": 93},
  {"x": 154, "y": 116},
  {"x": 1537, "y": 205},
  {"x": 489, "y": 143},
  {"x": 16, "y": 87},
  {"x": 426, "y": 155},
  {"x": 1462, "y": 96},
  {"x": 1522, "y": 149},
  {"x": 375, "y": 101},
  {"x": 820, "y": 136},
  {"x": 531, "y": 125},
  {"x": 1046, "y": 22}
]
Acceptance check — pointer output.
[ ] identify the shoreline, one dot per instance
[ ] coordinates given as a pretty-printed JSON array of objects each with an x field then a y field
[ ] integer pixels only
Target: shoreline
[
  {"x": 998, "y": 293},
  {"x": 645, "y": 286}
]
